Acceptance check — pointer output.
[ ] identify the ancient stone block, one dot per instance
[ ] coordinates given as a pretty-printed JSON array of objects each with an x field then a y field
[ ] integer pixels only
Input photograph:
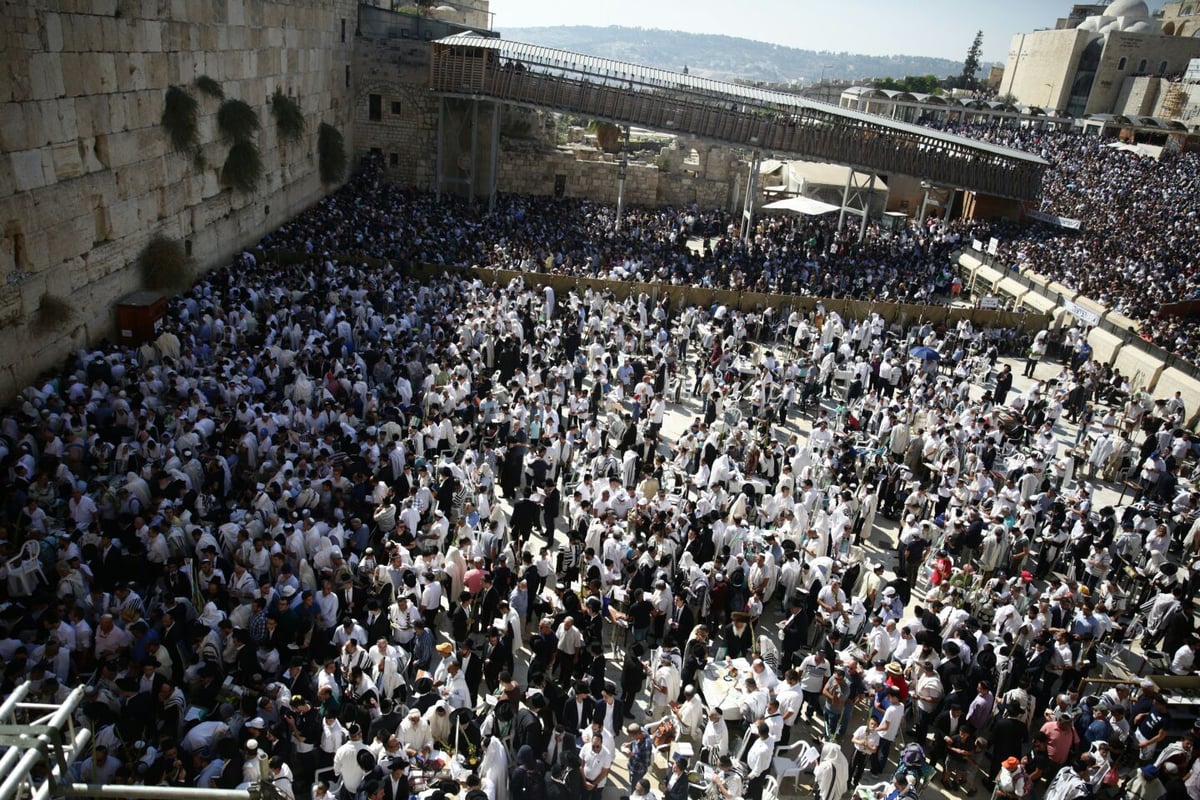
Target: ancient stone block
[
  {"x": 123, "y": 217},
  {"x": 45, "y": 76},
  {"x": 67, "y": 162},
  {"x": 52, "y": 32},
  {"x": 70, "y": 239},
  {"x": 12, "y": 128},
  {"x": 58, "y": 120}
]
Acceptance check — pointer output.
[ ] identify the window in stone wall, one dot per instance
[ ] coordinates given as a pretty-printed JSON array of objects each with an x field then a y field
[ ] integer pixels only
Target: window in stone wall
[
  {"x": 375, "y": 107},
  {"x": 347, "y": 76},
  {"x": 1121, "y": 64},
  {"x": 1162, "y": 68},
  {"x": 394, "y": 160},
  {"x": 395, "y": 106},
  {"x": 343, "y": 29},
  {"x": 1142, "y": 67}
]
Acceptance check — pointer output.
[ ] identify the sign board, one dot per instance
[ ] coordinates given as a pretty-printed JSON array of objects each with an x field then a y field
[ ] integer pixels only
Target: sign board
[
  {"x": 977, "y": 245},
  {"x": 1051, "y": 219},
  {"x": 989, "y": 301},
  {"x": 993, "y": 246},
  {"x": 1192, "y": 73},
  {"x": 1080, "y": 313}
]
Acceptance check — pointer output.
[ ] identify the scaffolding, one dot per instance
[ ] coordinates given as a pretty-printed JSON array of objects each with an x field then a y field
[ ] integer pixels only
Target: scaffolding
[{"x": 41, "y": 740}]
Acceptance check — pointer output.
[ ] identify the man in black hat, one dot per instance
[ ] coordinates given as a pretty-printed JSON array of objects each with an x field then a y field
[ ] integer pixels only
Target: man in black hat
[
  {"x": 395, "y": 785},
  {"x": 497, "y": 658},
  {"x": 471, "y": 666},
  {"x": 347, "y": 765}
]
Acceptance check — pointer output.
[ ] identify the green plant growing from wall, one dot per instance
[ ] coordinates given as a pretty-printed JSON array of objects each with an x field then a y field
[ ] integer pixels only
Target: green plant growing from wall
[
  {"x": 53, "y": 312},
  {"x": 289, "y": 119},
  {"x": 164, "y": 264},
  {"x": 243, "y": 167},
  {"x": 608, "y": 135},
  {"x": 210, "y": 87},
  {"x": 331, "y": 153},
  {"x": 238, "y": 120},
  {"x": 179, "y": 118}
]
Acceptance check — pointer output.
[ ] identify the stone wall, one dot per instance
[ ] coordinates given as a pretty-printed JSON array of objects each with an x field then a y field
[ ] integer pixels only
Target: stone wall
[
  {"x": 88, "y": 174},
  {"x": 396, "y": 70}
]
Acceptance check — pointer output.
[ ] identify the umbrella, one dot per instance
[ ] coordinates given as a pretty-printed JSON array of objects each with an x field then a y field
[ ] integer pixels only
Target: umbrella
[{"x": 925, "y": 353}]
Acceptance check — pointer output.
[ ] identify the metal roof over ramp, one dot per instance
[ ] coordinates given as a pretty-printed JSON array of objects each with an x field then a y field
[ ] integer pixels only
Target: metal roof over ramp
[{"x": 473, "y": 66}]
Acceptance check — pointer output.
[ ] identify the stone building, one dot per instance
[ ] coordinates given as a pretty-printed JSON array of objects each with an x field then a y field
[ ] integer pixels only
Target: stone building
[
  {"x": 1083, "y": 69},
  {"x": 88, "y": 174},
  {"x": 1181, "y": 18}
]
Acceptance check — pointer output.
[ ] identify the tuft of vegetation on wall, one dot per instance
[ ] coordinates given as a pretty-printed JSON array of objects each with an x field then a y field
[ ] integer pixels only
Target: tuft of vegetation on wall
[
  {"x": 331, "y": 153},
  {"x": 238, "y": 120},
  {"x": 210, "y": 87},
  {"x": 164, "y": 265},
  {"x": 53, "y": 313},
  {"x": 243, "y": 167},
  {"x": 179, "y": 118},
  {"x": 289, "y": 118}
]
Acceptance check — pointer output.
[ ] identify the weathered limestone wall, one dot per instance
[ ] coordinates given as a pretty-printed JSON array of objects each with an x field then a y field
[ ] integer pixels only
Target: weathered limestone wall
[
  {"x": 88, "y": 174},
  {"x": 396, "y": 70}
]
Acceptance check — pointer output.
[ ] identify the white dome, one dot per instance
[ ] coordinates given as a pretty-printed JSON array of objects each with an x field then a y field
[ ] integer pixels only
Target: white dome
[{"x": 1128, "y": 8}]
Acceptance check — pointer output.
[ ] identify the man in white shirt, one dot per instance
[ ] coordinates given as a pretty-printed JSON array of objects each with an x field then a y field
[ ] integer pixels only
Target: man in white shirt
[
  {"x": 928, "y": 692},
  {"x": 594, "y": 763},
  {"x": 1184, "y": 660},
  {"x": 754, "y": 702},
  {"x": 431, "y": 603},
  {"x": 758, "y": 761},
  {"x": 345, "y": 762},
  {"x": 714, "y": 742},
  {"x": 570, "y": 642},
  {"x": 888, "y": 730},
  {"x": 790, "y": 700}
]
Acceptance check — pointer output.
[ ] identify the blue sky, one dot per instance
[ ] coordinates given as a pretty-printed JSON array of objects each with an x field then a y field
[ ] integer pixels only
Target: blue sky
[{"x": 942, "y": 28}]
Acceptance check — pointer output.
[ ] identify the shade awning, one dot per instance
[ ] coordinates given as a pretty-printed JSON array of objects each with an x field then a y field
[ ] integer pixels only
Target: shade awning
[{"x": 801, "y": 205}]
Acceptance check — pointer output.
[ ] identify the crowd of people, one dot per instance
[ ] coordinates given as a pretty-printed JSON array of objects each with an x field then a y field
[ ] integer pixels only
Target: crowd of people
[
  {"x": 1136, "y": 249},
  {"x": 344, "y": 532}
]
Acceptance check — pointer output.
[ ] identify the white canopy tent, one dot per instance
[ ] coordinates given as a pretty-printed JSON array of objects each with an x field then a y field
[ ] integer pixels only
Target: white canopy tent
[{"x": 801, "y": 205}]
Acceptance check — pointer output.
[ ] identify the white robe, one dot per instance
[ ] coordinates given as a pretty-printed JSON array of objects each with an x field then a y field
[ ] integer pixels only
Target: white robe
[{"x": 494, "y": 767}]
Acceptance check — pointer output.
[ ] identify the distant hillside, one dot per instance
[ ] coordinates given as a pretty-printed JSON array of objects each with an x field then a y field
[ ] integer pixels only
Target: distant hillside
[{"x": 726, "y": 57}]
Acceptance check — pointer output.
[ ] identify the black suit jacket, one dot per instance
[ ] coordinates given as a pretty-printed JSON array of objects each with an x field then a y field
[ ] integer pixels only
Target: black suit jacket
[
  {"x": 460, "y": 623},
  {"x": 601, "y": 710},
  {"x": 499, "y": 659},
  {"x": 794, "y": 633},
  {"x": 381, "y": 628},
  {"x": 677, "y": 790},
  {"x": 473, "y": 672},
  {"x": 401, "y": 792},
  {"x": 684, "y": 622},
  {"x": 572, "y": 719}
]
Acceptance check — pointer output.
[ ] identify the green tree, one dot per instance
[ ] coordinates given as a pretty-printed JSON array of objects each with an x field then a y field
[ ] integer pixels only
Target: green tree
[
  {"x": 608, "y": 135},
  {"x": 971, "y": 63}
]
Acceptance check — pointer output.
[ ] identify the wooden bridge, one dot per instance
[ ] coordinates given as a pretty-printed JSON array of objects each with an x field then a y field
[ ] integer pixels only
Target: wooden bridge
[{"x": 479, "y": 67}]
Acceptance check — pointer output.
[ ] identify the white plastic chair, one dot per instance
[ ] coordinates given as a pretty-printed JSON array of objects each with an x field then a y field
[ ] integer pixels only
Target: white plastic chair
[
  {"x": 771, "y": 788},
  {"x": 25, "y": 570},
  {"x": 793, "y": 761}
]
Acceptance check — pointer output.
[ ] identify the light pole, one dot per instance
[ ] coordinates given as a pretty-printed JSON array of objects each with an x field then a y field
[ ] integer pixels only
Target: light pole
[{"x": 821, "y": 83}]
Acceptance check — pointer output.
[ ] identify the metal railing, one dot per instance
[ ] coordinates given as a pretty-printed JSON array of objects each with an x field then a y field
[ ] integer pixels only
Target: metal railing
[{"x": 818, "y": 133}]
